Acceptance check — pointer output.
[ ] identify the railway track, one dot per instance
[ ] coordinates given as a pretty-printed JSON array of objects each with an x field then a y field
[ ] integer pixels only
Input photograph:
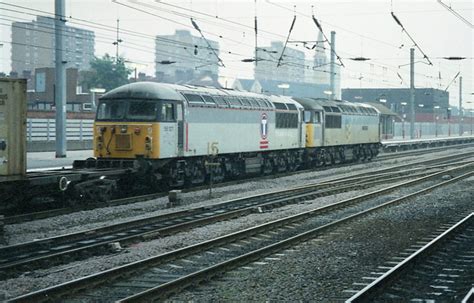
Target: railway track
[
  {"x": 46, "y": 252},
  {"x": 27, "y": 256},
  {"x": 398, "y": 154},
  {"x": 440, "y": 271},
  {"x": 160, "y": 276},
  {"x": 67, "y": 210}
]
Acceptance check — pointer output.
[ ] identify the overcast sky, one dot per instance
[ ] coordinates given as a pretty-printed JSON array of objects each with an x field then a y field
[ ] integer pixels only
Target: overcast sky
[{"x": 363, "y": 28}]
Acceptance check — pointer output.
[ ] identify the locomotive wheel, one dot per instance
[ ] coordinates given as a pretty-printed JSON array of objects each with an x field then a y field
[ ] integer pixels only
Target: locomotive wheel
[
  {"x": 267, "y": 167},
  {"x": 195, "y": 173},
  {"x": 292, "y": 162},
  {"x": 218, "y": 173},
  {"x": 281, "y": 164}
]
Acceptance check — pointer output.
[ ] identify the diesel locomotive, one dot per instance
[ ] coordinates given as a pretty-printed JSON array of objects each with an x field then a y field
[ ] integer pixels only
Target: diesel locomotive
[{"x": 177, "y": 135}]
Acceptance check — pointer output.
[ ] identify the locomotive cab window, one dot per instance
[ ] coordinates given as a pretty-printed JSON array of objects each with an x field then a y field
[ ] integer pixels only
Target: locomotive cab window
[
  {"x": 307, "y": 117},
  {"x": 142, "y": 111},
  {"x": 136, "y": 110},
  {"x": 317, "y": 118},
  {"x": 167, "y": 112},
  {"x": 127, "y": 110},
  {"x": 111, "y": 110},
  {"x": 312, "y": 117}
]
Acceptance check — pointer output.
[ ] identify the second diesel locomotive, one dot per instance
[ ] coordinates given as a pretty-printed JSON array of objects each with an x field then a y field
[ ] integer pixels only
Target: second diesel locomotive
[{"x": 171, "y": 132}]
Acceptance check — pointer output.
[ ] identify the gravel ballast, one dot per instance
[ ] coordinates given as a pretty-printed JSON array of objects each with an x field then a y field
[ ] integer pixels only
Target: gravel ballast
[
  {"x": 89, "y": 219},
  {"x": 100, "y": 217},
  {"x": 324, "y": 270}
]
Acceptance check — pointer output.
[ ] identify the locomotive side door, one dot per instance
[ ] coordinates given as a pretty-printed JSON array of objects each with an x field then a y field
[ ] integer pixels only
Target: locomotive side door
[
  {"x": 317, "y": 129},
  {"x": 180, "y": 121},
  {"x": 169, "y": 132}
]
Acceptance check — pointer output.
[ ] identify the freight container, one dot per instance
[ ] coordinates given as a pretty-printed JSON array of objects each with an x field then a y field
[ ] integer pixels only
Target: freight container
[{"x": 12, "y": 129}]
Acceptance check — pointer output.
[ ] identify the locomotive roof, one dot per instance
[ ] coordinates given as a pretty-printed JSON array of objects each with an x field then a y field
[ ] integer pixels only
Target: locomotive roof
[
  {"x": 144, "y": 90},
  {"x": 155, "y": 90},
  {"x": 284, "y": 99},
  {"x": 308, "y": 103},
  {"x": 165, "y": 91}
]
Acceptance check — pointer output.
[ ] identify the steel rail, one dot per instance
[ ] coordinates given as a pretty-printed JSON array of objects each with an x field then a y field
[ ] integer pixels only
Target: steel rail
[
  {"x": 379, "y": 285},
  {"x": 420, "y": 151},
  {"x": 66, "y": 289},
  {"x": 164, "y": 290},
  {"x": 59, "y": 249},
  {"x": 66, "y": 210},
  {"x": 49, "y": 213},
  {"x": 33, "y": 254}
]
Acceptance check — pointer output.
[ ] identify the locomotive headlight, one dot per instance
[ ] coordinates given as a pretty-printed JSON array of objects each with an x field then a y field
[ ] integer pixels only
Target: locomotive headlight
[
  {"x": 100, "y": 141},
  {"x": 148, "y": 143},
  {"x": 137, "y": 130},
  {"x": 123, "y": 129},
  {"x": 101, "y": 129},
  {"x": 150, "y": 130}
]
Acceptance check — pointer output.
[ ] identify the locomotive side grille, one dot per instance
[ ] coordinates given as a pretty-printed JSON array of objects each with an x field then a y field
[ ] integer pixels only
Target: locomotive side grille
[{"x": 123, "y": 142}]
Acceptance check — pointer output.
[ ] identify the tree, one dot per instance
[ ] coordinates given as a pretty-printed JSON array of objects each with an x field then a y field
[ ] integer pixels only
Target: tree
[{"x": 106, "y": 73}]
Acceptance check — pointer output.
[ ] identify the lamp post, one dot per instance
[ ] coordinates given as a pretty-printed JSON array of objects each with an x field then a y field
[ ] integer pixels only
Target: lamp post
[
  {"x": 435, "y": 119},
  {"x": 420, "y": 106},
  {"x": 328, "y": 93},
  {"x": 449, "y": 121},
  {"x": 385, "y": 120},
  {"x": 471, "y": 120},
  {"x": 284, "y": 86},
  {"x": 471, "y": 110},
  {"x": 403, "y": 118},
  {"x": 93, "y": 91}
]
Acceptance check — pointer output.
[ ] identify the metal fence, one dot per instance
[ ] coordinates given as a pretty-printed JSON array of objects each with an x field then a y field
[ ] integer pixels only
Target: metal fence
[
  {"x": 45, "y": 129},
  {"x": 431, "y": 130}
]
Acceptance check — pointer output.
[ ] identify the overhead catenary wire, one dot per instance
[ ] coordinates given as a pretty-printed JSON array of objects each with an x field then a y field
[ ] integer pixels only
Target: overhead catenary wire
[
  {"x": 144, "y": 49},
  {"x": 174, "y": 21},
  {"x": 318, "y": 25},
  {"x": 207, "y": 62},
  {"x": 286, "y": 42},
  {"x": 99, "y": 26},
  {"x": 370, "y": 38},
  {"x": 256, "y": 35},
  {"x": 177, "y": 45},
  {"x": 452, "y": 81},
  {"x": 425, "y": 56},
  {"x": 207, "y": 41},
  {"x": 215, "y": 18},
  {"x": 456, "y": 14},
  {"x": 343, "y": 29},
  {"x": 170, "y": 41}
]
